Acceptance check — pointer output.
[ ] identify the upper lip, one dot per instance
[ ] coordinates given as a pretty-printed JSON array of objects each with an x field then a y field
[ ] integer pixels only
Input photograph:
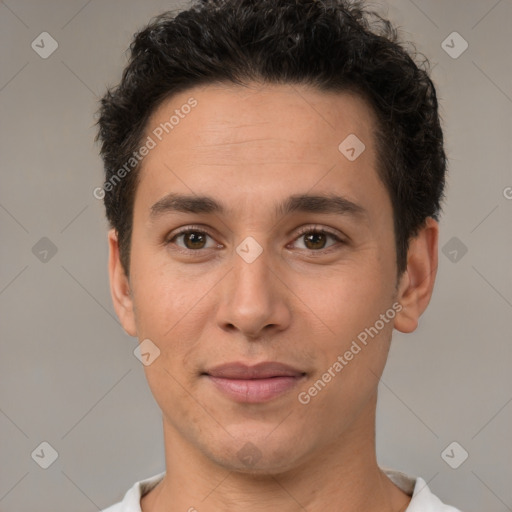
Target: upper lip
[{"x": 263, "y": 370}]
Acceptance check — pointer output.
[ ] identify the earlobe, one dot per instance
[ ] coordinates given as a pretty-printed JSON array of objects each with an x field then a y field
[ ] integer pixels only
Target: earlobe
[
  {"x": 417, "y": 282},
  {"x": 120, "y": 287}
]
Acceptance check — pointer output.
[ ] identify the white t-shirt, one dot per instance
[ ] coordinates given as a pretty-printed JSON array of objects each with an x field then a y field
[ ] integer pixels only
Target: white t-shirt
[{"x": 422, "y": 498}]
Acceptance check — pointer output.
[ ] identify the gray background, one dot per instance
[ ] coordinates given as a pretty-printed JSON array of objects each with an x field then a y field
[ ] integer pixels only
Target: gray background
[{"x": 68, "y": 373}]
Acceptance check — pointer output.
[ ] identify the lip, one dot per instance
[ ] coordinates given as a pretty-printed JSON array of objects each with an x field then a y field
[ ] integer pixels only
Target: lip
[
  {"x": 254, "y": 384},
  {"x": 264, "y": 370}
]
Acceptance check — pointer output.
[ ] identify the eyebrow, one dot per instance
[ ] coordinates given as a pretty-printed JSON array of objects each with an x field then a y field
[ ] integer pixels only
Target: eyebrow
[{"x": 308, "y": 203}]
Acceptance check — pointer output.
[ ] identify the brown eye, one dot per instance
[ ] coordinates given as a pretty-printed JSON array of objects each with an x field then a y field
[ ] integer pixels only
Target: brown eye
[
  {"x": 192, "y": 240},
  {"x": 315, "y": 240}
]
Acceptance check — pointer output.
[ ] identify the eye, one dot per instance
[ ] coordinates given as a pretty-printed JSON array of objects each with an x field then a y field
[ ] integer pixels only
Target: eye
[
  {"x": 315, "y": 239},
  {"x": 194, "y": 239}
]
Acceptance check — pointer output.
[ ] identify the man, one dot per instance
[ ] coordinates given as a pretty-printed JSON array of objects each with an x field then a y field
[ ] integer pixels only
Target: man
[{"x": 274, "y": 172}]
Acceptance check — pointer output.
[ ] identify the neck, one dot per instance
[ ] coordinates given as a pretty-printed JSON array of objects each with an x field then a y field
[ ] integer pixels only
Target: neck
[{"x": 345, "y": 473}]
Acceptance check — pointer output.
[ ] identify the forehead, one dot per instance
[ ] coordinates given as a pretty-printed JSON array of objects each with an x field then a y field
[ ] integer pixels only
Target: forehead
[
  {"x": 261, "y": 140},
  {"x": 235, "y": 121}
]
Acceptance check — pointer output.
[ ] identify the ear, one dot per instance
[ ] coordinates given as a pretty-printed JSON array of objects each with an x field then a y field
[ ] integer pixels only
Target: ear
[
  {"x": 417, "y": 282},
  {"x": 120, "y": 287}
]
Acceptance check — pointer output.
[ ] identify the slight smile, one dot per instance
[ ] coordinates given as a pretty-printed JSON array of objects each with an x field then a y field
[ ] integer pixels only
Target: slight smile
[{"x": 254, "y": 384}]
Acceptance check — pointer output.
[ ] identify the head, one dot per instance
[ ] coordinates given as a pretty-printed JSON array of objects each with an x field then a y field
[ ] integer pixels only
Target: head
[{"x": 245, "y": 107}]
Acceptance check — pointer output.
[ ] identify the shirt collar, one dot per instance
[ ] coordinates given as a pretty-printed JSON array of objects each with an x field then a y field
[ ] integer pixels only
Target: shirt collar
[{"x": 422, "y": 499}]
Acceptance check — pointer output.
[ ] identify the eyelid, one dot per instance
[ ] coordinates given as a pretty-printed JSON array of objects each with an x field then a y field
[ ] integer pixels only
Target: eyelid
[{"x": 320, "y": 229}]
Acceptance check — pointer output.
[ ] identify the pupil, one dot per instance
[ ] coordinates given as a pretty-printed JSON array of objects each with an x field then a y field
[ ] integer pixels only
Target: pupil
[
  {"x": 194, "y": 238},
  {"x": 312, "y": 236}
]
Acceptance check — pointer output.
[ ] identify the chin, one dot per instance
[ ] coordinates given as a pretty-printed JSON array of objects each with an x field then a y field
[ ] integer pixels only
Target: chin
[{"x": 257, "y": 454}]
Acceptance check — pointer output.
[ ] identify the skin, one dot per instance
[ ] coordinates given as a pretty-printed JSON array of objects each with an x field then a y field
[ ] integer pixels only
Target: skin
[{"x": 250, "y": 148}]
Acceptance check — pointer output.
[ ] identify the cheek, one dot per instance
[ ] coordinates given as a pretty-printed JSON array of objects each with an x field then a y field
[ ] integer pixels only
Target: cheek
[
  {"x": 159, "y": 294},
  {"x": 153, "y": 300},
  {"x": 176, "y": 399},
  {"x": 353, "y": 297},
  {"x": 350, "y": 303},
  {"x": 170, "y": 309}
]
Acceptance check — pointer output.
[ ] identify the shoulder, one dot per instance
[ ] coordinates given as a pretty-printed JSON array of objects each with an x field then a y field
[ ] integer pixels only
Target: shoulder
[
  {"x": 131, "y": 500},
  {"x": 422, "y": 498}
]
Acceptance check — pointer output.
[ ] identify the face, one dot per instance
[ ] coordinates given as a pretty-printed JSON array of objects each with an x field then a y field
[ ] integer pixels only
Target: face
[{"x": 283, "y": 252}]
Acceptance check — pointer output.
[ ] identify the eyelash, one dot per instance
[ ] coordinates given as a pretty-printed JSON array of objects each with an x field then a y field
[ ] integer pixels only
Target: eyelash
[{"x": 302, "y": 232}]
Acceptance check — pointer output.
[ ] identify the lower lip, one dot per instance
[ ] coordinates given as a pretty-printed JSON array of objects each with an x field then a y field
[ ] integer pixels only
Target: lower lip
[{"x": 254, "y": 390}]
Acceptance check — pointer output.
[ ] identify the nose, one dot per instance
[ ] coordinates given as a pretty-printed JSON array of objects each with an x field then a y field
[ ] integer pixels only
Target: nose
[{"x": 254, "y": 300}]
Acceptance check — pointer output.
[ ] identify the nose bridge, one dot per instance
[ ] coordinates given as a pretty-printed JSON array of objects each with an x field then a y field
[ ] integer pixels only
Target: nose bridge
[
  {"x": 252, "y": 274},
  {"x": 252, "y": 299}
]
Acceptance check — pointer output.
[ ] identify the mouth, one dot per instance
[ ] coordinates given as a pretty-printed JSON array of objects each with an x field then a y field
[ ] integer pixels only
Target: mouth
[{"x": 254, "y": 384}]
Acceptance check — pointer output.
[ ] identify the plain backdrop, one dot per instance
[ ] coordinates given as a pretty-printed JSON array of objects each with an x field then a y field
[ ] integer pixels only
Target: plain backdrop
[{"x": 68, "y": 373}]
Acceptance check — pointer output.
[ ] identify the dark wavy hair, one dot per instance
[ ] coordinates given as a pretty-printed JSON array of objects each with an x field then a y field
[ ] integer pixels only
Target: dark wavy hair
[{"x": 333, "y": 45}]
